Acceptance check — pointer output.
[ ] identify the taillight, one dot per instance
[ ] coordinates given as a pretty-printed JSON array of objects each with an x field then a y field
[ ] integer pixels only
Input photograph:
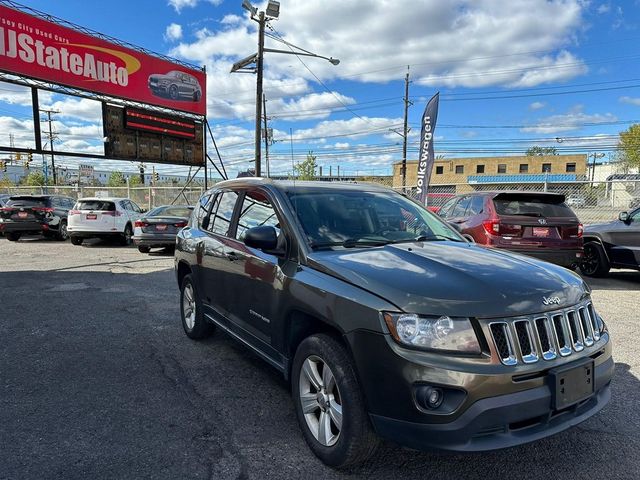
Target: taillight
[
  {"x": 42, "y": 209},
  {"x": 74, "y": 212},
  {"x": 6, "y": 209},
  {"x": 180, "y": 225},
  {"x": 580, "y": 230},
  {"x": 140, "y": 224},
  {"x": 492, "y": 227}
]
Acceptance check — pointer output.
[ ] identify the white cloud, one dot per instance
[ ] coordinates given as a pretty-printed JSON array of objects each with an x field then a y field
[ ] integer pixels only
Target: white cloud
[
  {"x": 80, "y": 108},
  {"x": 604, "y": 8},
  {"x": 573, "y": 120},
  {"x": 352, "y": 128},
  {"x": 180, "y": 4},
  {"x": 537, "y": 105},
  {"x": 630, "y": 100},
  {"x": 173, "y": 32}
]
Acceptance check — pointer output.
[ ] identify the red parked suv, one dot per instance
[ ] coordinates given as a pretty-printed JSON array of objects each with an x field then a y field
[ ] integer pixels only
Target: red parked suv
[{"x": 532, "y": 223}]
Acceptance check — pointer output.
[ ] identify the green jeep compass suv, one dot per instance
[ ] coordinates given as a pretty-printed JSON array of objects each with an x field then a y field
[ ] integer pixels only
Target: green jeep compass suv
[{"x": 387, "y": 323}]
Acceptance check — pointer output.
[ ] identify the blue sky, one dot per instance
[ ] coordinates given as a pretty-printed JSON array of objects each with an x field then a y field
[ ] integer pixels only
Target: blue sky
[{"x": 511, "y": 74}]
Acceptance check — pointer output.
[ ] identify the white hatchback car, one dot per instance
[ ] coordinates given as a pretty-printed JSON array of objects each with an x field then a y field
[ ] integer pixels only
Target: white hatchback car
[{"x": 103, "y": 218}]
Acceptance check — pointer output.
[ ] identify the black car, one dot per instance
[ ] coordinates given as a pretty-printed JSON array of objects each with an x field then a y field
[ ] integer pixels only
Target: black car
[
  {"x": 158, "y": 228},
  {"x": 612, "y": 245},
  {"x": 175, "y": 85},
  {"x": 35, "y": 215},
  {"x": 387, "y": 322}
]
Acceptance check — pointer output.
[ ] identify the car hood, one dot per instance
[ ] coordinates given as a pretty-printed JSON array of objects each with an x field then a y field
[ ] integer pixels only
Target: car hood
[{"x": 453, "y": 278}]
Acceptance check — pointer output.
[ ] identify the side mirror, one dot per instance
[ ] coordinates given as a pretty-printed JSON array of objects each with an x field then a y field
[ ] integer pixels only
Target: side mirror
[
  {"x": 143, "y": 210},
  {"x": 263, "y": 238},
  {"x": 624, "y": 217}
]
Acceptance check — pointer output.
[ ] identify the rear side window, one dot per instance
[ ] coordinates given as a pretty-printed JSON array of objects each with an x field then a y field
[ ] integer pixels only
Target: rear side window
[
  {"x": 99, "y": 205},
  {"x": 461, "y": 207},
  {"x": 221, "y": 221},
  {"x": 256, "y": 211},
  {"x": 534, "y": 206},
  {"x": 27, "y": 202},
  {"x": 476, "y": 206},
  {"x": 446, "y": 208}
]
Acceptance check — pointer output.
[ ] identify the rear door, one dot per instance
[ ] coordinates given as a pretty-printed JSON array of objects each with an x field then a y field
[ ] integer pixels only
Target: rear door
[{"x": 536, "y": 220}]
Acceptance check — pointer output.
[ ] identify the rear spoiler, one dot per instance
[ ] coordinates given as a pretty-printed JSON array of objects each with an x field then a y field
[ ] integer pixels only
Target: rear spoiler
[{"x": 539, "y": 196}]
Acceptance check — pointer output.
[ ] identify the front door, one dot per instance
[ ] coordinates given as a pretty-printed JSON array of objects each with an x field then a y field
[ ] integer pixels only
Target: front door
[{"x": 625, "y": 240}]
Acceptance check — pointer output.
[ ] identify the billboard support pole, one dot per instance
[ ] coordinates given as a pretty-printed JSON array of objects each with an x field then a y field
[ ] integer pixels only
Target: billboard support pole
[
  {"x": 204, "y": 149},
  {"x": 35, "y": 105}
]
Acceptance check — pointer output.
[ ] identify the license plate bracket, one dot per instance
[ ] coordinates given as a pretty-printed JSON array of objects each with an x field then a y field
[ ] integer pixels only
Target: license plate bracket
[
  {"x": 161, "y": 227},
  {"x": 572, "y": 383},
  {"x": 92, "y": 216},
  {"x": 23, "y": 214},
  {"x": 541, "y": 232}
]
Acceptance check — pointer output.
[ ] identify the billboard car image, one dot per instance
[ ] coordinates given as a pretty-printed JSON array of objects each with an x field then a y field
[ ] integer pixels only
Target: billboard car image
[{"x": 175, "y": 85}]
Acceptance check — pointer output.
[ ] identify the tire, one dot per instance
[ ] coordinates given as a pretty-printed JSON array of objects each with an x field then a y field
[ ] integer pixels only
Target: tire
[
  {"x": 62, "y": 234},
  {"x": 193, "y": 322},
  {"x": 173, "y": 92},
  {"x": 349, "y": 439},
  {"x": 144, "y": 249},
  {"x": 125, "y": 239},
  {"x": 76, "y": 240},
  {"x": 170, "y": 249},
  {"x": 12, "y": 237},
  {"x": 594, "y": 262},
  {"x": 196, "y": 96}
]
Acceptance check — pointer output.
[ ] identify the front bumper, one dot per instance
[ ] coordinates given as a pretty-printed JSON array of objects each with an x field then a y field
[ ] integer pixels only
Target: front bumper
[
  {"x": 494, "y": 406},
  {"x": 499, "y": 422}
]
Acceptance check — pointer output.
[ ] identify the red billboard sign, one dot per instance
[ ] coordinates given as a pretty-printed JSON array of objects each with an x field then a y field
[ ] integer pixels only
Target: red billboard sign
[{"x": 40, "y": 49}]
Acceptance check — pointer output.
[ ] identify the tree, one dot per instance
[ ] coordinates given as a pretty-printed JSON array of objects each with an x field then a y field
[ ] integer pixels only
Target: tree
[
  {"x": 629, "y": 145},
  {"x": 536, "y": 150},
  {"x": 34, "y": 179},
  {"x": 6, "y": 182},
  {"x": 116, "y": 179},
  {"x": 134, "y": 180},
  {"x": 306, "y": 170}
]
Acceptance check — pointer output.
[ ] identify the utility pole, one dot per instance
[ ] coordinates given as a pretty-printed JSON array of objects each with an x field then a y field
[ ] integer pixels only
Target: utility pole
[
  {"x": 266, "y": 132},
  {"x": 259, "y": 60},
  {"x": 405, "y": 129},
  {"x": 12, "y": 145},
  {"x": 51, "y": 138}
]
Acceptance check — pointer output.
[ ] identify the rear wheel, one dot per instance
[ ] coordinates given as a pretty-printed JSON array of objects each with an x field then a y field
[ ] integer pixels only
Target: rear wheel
[
  {"x": 76, "y": 240},
  {"x": 144, "y": 249},
  {"x": 193, "y": 322},
  {"x": 12, "y": 237},
  {"x": 329, "y": 403},
  {"x": 173, "y": 92},
  {"x": 594, "y": 261},
  {"x": 62, "y": 232},
  {"x": 126, "y": 235}
]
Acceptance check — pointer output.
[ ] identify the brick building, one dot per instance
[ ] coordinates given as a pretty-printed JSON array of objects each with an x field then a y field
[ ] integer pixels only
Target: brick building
[{"x": 463, "y": 173}]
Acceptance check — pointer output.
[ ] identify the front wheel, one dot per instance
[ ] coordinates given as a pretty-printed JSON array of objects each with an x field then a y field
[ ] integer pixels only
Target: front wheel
[
  {"x": 62, "y": 232},
  {"x": 329, "y": 403},
  {"x": 594, "y": 262},
  {"x": 76, "y": 240},
  {"x": 144, "y": 249},
  {"x": 193, "y": 322}
]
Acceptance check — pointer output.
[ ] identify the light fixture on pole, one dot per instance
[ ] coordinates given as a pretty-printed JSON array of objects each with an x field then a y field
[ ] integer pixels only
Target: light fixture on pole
[{"x": 271, "y": 12}]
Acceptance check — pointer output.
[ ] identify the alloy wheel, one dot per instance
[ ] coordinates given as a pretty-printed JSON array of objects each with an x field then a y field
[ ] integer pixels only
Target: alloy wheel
[
  {"x": 321, "y": 400},
  {"x": 189, "y": 306},
  {"x": 590, "y": 260}
]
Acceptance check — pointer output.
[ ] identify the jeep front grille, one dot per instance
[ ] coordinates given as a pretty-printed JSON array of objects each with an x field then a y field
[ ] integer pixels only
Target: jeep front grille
[{"x": 546, "y": 336}]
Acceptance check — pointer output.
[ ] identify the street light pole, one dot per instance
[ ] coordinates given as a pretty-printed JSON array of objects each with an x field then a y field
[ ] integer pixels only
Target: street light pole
[{"x": 259, "y": 65}]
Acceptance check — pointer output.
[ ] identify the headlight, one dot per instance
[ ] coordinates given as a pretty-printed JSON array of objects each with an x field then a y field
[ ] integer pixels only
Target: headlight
[{"x": 433, "y": 333}]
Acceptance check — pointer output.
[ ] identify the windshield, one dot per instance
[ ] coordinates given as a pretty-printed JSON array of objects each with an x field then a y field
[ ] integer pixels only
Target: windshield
[{"x": 349, "y": 218}]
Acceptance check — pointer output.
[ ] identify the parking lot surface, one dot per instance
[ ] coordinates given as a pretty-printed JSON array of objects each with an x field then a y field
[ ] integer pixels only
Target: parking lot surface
[{"x": 98, "y": 380}]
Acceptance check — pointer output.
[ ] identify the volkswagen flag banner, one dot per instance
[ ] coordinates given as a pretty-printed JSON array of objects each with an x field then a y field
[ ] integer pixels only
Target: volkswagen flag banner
[{"x": 425, "y": 161}]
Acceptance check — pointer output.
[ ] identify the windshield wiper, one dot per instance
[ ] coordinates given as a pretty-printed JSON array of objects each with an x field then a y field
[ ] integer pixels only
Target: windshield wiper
[
  {"x": 363, "y": 242},
  {"x": 434, "y": 238},
  {"x": 526, "y": 214}
]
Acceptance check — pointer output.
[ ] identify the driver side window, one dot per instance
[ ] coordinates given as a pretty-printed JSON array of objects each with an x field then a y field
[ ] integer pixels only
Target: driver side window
[{"x": 256, "y": 211}]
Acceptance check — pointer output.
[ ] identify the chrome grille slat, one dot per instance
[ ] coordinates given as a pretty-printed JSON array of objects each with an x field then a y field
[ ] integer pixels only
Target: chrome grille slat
[{"x": 548, "y": 336}]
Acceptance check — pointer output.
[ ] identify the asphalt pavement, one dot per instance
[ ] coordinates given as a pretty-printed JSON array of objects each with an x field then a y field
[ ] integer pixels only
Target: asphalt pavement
[{"x": 98, "y": 380}]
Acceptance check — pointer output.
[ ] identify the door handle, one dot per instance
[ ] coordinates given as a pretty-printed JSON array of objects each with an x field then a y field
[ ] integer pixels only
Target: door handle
[{"x": 232, "y": 256}]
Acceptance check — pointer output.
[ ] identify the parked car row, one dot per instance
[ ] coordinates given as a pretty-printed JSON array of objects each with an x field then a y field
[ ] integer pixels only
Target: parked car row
[{"x": 63, "y": 217}]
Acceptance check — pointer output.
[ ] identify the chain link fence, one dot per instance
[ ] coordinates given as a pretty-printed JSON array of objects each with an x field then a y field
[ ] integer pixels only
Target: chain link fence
[
  {"x": 592, "y": 202},
  {"x": 146, "y": 197}
]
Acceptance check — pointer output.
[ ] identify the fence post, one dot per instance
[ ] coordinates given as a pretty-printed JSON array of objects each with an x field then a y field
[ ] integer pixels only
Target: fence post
[
  {"x": 128, "y": 189},
  {"x": 546, "y": 180},
  {"x": 149, "y": 204}
]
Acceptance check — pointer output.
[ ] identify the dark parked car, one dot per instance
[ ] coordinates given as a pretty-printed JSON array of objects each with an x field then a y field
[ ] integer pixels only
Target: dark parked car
[
  {"x": 35, "y": 215},
  {"x": 176, "y": 86},
  {"x": 612, "y": 245},
  {"x": 386, "y": 322},
  {"x": 537, "y": 224},
  {"x": 158, "y": 228}
]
